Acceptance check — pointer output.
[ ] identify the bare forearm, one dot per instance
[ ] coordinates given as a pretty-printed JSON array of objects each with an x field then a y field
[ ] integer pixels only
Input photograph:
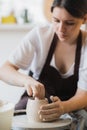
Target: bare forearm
[
  {"x": 75, "y": 103},
  {"x": 11, "y": 76}
]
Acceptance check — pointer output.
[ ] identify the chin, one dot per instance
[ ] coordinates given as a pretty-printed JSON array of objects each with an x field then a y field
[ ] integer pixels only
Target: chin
[{"x": 62, "y": 39}]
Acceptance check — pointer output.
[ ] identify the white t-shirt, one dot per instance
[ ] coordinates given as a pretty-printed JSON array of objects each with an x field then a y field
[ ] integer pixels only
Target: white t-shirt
[{"x": 32, "y": 53}]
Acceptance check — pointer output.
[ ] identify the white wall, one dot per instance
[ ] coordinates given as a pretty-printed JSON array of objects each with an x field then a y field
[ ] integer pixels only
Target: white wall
[{"x": 10, "y": 37}]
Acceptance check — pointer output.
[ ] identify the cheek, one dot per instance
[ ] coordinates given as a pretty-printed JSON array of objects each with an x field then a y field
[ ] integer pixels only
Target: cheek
[
  {"x": 76, "y": 26},
  {"x": 74, "y": 30}
]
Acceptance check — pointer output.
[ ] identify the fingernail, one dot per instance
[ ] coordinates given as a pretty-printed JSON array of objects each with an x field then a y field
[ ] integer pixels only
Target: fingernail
[
  {"x": 40, "y": 117},
  {"x": 44, "y": 119}
]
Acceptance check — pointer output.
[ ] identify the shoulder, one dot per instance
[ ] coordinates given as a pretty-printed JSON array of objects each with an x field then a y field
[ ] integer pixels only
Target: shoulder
[
  {"x": 43, "y": 30},
  {"x": 84, "y": 43},
  {"x": 82, "y": 83},
  {"x": 46, "y": 29},
  {"x": 40, "y": 32},
  {"x": 84, "y": 46},
  {"x": 84, "y": 37},
  {"x": 40, "y": 35},
  {"x": 83, "y": 62}
]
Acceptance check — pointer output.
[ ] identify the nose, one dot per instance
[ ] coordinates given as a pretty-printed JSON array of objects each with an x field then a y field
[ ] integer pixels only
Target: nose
[{"x": 61, "y": 27}]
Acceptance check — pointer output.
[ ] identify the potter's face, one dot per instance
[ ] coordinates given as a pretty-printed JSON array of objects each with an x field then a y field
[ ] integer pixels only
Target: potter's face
[{"x": 65, "y": 25}]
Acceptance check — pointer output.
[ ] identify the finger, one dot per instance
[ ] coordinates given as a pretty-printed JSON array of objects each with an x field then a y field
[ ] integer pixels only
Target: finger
[
  {"x": 29, "y": 91},
  {"x": 50, "y": 111},
  {"x": 35, "y": 91},
  {"x": 39, "y": 91},
  {"x": 50, "y": 117},
  {"x": 49, "y": 106},
  {"x": 54, "y": 98},
  {"x": 46, "y": 99}
]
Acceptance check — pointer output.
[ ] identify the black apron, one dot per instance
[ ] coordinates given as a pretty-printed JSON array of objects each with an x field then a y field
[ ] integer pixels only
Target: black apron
[{"x": 54, "y": 84}]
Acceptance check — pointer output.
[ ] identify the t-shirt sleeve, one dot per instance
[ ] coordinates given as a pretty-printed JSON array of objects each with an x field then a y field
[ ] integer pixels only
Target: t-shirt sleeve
[
  {"x": 22, "y": 56},
  {"x": 82, "y": 82}
]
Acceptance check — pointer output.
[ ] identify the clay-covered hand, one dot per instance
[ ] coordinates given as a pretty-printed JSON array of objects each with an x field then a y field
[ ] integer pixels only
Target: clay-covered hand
[
  {"x": 52, "y": 111},
  {"x": 34, "y": 88}
]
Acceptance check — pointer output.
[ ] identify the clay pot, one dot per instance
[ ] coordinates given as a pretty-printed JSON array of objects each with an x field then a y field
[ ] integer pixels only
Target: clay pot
[
  {"x": 6, "y": 114},
  {"x": 33, "y": 107}
]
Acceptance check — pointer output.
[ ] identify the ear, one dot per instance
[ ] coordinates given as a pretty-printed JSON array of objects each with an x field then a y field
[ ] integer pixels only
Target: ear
[{"x": 85, "y": 19}]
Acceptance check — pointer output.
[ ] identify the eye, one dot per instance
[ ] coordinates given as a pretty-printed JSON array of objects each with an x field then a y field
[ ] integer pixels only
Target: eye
[
  {"x": 56, "y": 20},
  {"x": 70, "y": 23}
]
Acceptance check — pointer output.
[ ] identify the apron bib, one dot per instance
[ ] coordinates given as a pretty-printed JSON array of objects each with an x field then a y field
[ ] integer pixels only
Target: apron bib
[{"x": 55, "y": 85}]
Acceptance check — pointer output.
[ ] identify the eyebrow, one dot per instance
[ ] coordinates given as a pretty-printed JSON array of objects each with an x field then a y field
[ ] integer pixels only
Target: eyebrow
[{"x": 71, "y": 20}]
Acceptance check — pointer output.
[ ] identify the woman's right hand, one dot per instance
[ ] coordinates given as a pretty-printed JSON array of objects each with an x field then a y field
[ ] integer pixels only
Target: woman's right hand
[{"x": 34, "y": 88}]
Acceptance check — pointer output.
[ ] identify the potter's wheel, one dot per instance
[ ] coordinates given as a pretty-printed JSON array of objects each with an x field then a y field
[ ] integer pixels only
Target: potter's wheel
[{"x": 21, "y": 122}]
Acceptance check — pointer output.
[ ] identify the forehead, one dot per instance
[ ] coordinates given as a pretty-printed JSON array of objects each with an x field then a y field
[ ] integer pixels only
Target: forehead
[{"x": 62, "y": 13}]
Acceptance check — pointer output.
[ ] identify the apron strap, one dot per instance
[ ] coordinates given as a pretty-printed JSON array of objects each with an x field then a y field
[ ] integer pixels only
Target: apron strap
[
  {"x": 78, "y": 55},
  {"x": 50, "y": 53}
]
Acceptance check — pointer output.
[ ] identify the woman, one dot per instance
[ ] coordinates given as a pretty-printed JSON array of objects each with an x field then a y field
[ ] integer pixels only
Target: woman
[{"x": 55, "y": 56}]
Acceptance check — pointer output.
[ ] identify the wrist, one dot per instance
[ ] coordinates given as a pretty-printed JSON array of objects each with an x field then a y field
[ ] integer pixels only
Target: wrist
[{"x": 62, "y": 109}]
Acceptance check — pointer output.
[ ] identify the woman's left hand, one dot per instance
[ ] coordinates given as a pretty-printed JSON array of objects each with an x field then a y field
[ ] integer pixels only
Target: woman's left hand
[{"x": 51, "y": 111}]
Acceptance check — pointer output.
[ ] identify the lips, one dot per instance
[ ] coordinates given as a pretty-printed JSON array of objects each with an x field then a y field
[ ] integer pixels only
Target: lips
[{"x": 62, "y": 35}]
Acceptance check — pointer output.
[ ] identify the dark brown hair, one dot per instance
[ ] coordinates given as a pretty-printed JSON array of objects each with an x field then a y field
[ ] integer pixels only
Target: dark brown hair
[{"x": 77, "y": 8}]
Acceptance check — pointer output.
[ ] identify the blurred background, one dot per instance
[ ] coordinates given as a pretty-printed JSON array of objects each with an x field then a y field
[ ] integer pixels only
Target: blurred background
[
  {"x": 17, "y": 17},
  {"x": 23, "y": 11}
]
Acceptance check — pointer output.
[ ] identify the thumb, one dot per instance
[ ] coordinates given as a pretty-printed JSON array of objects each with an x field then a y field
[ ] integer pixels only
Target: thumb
[{"x": 54, "y": 98}]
